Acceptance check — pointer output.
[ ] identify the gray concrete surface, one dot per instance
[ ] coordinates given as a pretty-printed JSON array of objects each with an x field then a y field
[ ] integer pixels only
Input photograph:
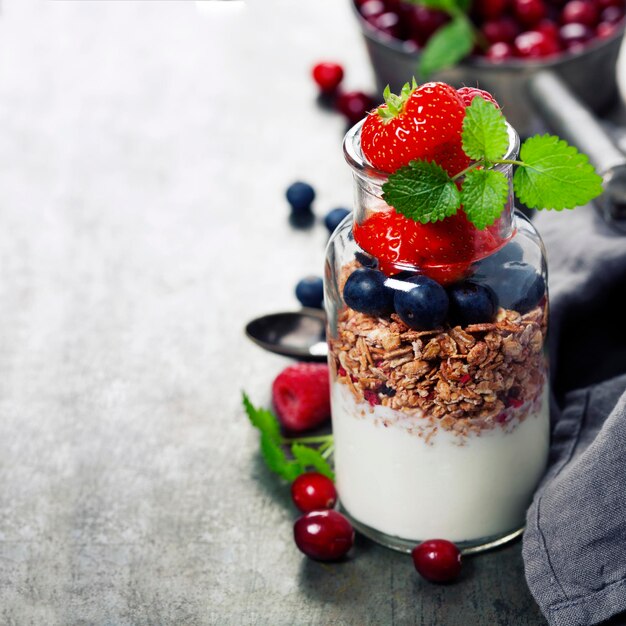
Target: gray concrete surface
[{"x": 144, "y": 151}]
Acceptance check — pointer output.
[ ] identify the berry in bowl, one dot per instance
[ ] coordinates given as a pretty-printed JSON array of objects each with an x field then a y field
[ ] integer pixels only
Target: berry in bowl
[{"x": 499, "y": 45}]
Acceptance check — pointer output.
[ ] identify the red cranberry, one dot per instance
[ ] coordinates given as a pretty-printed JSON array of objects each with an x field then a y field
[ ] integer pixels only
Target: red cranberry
[
  {"x": 604, "y": 30},
  {"x": 354, "y": 105},
  {"x": 580, "y": 12},
  {"x": 612, "y": 15},
  {"x": 603, "y": 4},
  {"x": 575, "y": 36},
  {"x": 323, "y": 535},
  {"x": 328, "y": 76},
  {"x": 549, "y": 29},
  {"x": 371, "y": 9},
  {"x": 535, "y": 45},
  {"x": 499, "y": 52},
  {"x": 313, "y": 492},
  {"x": 437, "y": 560},
  {"x": 529, "y": 12},
  {"x": 389, "y": 24},
  {"x": 503, "y": 29},
  {"x": 423, "y": 22},
  {"x": 490, "y": 9}
]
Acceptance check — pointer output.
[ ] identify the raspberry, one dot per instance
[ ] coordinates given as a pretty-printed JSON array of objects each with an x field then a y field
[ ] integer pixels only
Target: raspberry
[{"x": 301, "y": 396}]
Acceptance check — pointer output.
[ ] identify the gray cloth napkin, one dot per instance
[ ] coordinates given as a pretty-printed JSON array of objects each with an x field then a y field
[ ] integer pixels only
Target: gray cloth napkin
[{"x": 574, "y": 545}]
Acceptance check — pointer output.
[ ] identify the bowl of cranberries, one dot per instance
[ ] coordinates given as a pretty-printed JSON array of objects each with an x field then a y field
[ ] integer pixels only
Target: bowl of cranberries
[{"x": 579, "y": 40}]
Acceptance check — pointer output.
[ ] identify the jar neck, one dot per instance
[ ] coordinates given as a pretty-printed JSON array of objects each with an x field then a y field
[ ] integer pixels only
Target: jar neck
[{"x": 368, "y": 182}]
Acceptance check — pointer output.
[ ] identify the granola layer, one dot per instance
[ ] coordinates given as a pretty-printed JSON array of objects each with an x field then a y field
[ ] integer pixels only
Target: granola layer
[{"x": 473, "y": 377}]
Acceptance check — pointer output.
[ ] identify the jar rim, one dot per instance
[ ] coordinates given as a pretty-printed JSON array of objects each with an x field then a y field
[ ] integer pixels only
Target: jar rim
[{"x": 359, "y": 164}]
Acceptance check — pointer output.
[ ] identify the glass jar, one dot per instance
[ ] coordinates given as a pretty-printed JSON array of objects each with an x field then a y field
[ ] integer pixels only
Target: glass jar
[{"x": 441, "y": 431}]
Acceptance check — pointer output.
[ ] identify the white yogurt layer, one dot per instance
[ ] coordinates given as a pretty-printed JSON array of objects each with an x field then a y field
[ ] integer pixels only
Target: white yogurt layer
[{"x": 461, "y": 489}]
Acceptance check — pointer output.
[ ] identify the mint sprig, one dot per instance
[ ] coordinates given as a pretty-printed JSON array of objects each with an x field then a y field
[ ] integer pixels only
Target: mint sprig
[
  {"x": 448, "y": 45},
  {"x": 289, "y": 457},
  {"x": 550, "y": 174}
]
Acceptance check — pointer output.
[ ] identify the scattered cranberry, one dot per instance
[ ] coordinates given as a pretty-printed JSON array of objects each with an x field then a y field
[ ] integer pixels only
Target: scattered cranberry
[
  {"x": 323, "y": 535},
  {"x": 499, "y": 52},
  {"x": 328, "y": 76},
  {"x": 313, "y": 492},
  {"x": 437, "y": 560},
  {"x": 371, "y": 397},
  {"x": 354, "y": 105},
  {"x": 580, "y": 12},
  {"x": 535, "y": 45},
  {"x": 529, "y": 12},
  {"x": 575, "y": 36},
  {"x": 503, "y": 29}
]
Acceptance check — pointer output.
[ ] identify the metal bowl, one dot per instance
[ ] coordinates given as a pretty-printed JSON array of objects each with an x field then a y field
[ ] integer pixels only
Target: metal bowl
[{"x": 590, "y": 74}]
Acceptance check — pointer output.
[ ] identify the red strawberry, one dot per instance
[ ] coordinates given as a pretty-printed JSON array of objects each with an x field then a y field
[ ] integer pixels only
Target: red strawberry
[
  {"x": 423, "y": 122},
  {"x": 442, "y": 250},
  {"x": 301, "y": 396},
  {"x": 469, "y": 93}
]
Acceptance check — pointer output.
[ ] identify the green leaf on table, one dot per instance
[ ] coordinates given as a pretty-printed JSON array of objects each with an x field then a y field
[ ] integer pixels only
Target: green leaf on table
[
  {"x": 262, "y": 419},
  {"x": 447, "y": 46},
  {"x": 554, "y": 175},
  {"x": 277, "y": 461},
  {"x": 483, "y": 196},
  {"x": 310, "y": 457},
  {"x": 422, "y": 191},
  {"x": 485, "y": 136}
]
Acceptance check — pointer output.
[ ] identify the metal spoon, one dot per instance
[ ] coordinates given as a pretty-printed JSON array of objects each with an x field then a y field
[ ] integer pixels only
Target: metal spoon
[{"x": 298, "y": 334}]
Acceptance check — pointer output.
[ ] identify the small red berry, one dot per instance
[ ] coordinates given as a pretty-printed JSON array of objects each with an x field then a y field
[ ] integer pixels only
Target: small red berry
[
  {"x": 313, "y": 492},
  {"x": 612, "y": 15},
  {"x": 469, "y": 93},
  {"x": 490, "y": 9},
  {"x": 529, "y": 12},
  {"x": 549, "y": 29},
  {"x": 423, "y": 22},
  {"x": 323, "y": 535},
  {"x": 500, "y": 51},
  {"x": 301, "y": 396},
  {"x": 580, "y": 12},
  {"x": 371, "y": 9},
  {"x": 389, "y": 24},
  {"x": 328, "y": 76},
  {"x": 354, "y": 105},
  {"x": 605, "y": 30},
  {"x": 535, "y": 45},
  {"x": 437, "y": 560},
  {"x": 575, "y": 36},
  {"x": 503, "y": 29}
]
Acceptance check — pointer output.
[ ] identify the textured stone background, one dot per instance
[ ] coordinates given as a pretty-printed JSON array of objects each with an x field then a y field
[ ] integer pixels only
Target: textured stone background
[{"x": 144, "y": 150}]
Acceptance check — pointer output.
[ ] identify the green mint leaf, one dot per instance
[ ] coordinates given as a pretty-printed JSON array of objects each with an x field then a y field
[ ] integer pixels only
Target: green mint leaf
[
  {"x": 277, "y": 461},
  {"x": 483, "y": 196},
  {"x": 262, "y": 419},
  {"x": 310, "y": 457},
  {"x": 485, "y": 136},
  {"x": 447, "y": 46},
  {"x": 422, "y": 191},
  {"x": 554, "y": 175}
]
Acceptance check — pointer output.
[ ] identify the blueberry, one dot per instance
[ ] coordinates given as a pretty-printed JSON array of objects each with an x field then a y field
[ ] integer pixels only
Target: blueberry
[
  {"x": 300, "y": 196},
  {"x": 518, "y": 286},
  {"x": 334, "y": 218},
  {"x": 423, "y": 304},
  {"x": 310, "y": 292},
  {"x": 365, "y": 291},
  {"x": 471, "y": 303}
]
